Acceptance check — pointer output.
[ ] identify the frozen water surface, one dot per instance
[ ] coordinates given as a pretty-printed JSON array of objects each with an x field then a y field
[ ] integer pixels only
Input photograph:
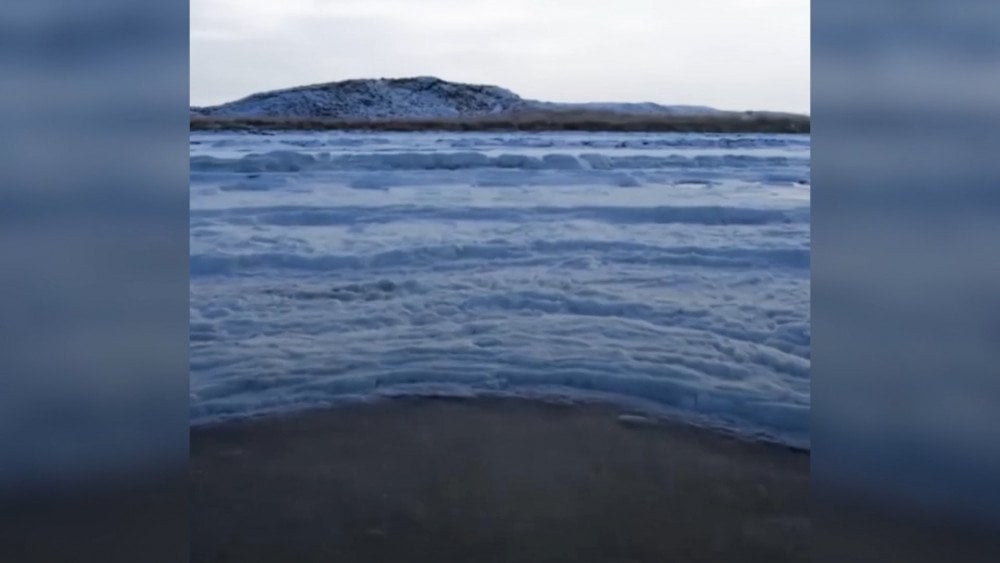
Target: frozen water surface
[{"x": 669, "y": 272}]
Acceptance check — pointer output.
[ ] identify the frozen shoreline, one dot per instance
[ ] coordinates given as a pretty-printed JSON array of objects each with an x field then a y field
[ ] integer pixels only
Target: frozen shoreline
[{"x": 666, "y": 268}]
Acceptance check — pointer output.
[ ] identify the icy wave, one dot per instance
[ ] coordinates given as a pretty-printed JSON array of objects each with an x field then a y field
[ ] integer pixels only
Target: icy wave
[
  {"x": 293, "y": 161},
  {"x": 694, "y": 358},
  {"x": 358, "y": 215},
  {"x": 451, "y": 256},
  {"x": 668, "y": 358}
]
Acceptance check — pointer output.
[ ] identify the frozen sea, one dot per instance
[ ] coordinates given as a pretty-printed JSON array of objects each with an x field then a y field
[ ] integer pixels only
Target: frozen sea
[{"x": 666, "y": 272}]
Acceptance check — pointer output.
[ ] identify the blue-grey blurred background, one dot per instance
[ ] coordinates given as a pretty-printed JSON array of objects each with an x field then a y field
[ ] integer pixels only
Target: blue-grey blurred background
[
  {"x": 93, "y": 282},
  {"x": 906, "y": 271},
  {"x": 93, "y": 307}
]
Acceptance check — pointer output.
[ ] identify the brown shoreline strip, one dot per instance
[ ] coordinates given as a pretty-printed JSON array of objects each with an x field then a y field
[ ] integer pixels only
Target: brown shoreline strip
[{"x": 726, "y": 122}]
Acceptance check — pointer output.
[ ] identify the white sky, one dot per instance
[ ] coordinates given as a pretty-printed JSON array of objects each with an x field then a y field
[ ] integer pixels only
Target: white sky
[{"x": 730, "y": 54}]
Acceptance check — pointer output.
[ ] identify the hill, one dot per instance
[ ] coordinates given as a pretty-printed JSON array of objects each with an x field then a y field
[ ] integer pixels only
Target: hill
[{"x": 431, "y": 103}]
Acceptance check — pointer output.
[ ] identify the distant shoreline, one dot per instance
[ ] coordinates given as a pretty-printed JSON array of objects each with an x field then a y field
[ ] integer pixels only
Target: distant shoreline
[{"x": 728, "y": 122}]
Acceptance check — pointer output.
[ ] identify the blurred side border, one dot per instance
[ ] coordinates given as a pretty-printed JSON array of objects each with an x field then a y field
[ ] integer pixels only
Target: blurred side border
[
  {"x": 94, "y": 288},
  {"x": 905, "y": 300}
]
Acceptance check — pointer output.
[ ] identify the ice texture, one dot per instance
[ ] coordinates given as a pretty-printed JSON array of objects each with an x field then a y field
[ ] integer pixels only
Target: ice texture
[{"x": 666, "y": 272}]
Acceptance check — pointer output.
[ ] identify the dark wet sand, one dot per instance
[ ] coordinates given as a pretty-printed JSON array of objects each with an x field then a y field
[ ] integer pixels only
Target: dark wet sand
[{"x": 419, "y": 480}]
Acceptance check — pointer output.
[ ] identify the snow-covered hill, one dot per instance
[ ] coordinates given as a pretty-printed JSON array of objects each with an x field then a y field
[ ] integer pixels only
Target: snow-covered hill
[
  {"x": 413, "y": 98},
  {"x": 625, "y": 108}
]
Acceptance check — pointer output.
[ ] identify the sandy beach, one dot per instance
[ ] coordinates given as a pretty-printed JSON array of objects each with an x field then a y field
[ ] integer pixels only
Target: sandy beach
[{"x": 490, "y": 480}]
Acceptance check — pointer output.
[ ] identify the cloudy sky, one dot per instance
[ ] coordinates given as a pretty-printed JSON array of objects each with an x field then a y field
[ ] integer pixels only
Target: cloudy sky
[{"x": 731, "y": 54}]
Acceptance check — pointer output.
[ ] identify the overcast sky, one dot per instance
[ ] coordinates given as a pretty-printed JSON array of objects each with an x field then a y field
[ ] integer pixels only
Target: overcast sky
[{"x": 730, "y": 54}]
